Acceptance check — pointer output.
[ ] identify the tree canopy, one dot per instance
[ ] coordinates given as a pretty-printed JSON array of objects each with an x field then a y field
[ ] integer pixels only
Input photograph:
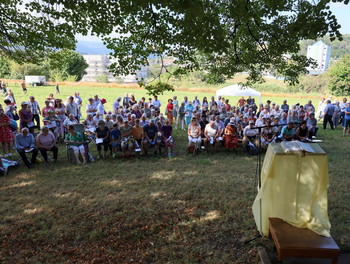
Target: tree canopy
[
  {"x": 220, "y": 37},
  {"x": 68, "y": 63},
  {"x": 340, "y": 77}
]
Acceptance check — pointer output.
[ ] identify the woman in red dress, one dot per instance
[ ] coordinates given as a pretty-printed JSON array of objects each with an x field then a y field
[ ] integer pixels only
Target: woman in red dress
[
  {"x": 231, "y": 139},
  {"x": 170, "y": 111},
  {"x": 6, "y": 135}
]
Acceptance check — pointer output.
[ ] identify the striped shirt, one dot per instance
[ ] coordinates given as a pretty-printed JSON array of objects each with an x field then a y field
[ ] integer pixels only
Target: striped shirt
[{"x": 34, "y": 106}]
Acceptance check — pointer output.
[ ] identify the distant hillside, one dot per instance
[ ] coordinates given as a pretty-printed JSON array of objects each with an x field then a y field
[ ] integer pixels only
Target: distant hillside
[
  {"x": 339, "y": 48},
  {"x": 91, "y": 48},
  {"x": 96, "y": 48}
]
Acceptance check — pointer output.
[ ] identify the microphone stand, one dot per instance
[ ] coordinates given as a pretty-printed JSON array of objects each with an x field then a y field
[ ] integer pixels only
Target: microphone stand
[{"x": 259, "y": 165}]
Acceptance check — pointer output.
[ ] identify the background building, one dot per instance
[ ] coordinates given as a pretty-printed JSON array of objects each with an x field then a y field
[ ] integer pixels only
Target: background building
[
  {"x": 320, "y": 52},
  {"x": 98, "y": 70}
]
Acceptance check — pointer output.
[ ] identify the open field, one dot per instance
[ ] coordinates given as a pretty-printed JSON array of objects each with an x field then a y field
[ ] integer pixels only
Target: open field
[
  {"x": 112, "y": 91},
  {"x": 188, "y": 209}
]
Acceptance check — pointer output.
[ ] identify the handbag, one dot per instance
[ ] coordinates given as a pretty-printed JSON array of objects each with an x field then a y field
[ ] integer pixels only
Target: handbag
[{"x": 15, "y": 117}]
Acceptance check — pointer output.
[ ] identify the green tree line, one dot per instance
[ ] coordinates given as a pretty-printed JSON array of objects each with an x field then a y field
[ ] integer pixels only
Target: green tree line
[{"x": 63, "y": 65}]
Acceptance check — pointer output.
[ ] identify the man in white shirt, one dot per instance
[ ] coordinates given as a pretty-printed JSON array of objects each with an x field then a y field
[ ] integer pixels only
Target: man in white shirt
[
  {"x": 77, "y": 99},
  {"x": 100, "y": 107},
  {"x": 276, "y": 111},
  {"x": 72, "y": 108},
  {"x": 97, "y": 117},
  {"x": 219, "y": 102},
  {"x": 91, "y": 108},
  {"x": 70, "y": 120},
  {"x": 96, "y": 100},
  {"x": 116, "y": 105}
]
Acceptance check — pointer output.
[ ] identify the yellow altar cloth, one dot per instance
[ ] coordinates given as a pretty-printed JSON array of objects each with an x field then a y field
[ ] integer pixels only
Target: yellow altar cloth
[{"x": 293, "y": 188}]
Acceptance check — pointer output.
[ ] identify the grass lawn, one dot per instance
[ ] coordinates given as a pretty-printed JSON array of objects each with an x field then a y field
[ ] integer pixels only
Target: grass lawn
[
  {"x": 112, "y": 93},
  {"x": 188, "y": 209}
]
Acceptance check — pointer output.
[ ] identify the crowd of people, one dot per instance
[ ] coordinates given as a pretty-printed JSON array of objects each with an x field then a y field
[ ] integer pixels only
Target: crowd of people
[{"x": 137, "y": 126}]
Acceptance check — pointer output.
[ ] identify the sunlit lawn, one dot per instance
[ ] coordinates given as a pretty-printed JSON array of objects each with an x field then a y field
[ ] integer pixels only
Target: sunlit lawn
[{"x": 188, "y": 209}]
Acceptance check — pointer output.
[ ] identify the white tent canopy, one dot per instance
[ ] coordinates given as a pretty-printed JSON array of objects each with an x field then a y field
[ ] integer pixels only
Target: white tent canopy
[{"x": 237, "y": 90}]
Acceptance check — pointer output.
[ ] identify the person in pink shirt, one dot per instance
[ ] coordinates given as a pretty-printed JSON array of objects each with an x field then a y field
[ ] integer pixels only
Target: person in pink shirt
[
  {"x": 47, "y": 108},
  {"x": 46, "y": 142}
]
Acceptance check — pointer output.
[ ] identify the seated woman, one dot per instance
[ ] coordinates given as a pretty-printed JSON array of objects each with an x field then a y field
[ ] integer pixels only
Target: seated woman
[
  {"x": 70, "y": 120},
  {"x": 250, "y": 135},
  {"x": 167, "y": 139},
  {"x": 268, "y": 134},
  {"x": 127, "y": 142},
  {"x": 115, "y": 137},
  {"x": 194, "y": 135},
  {"x": 231, "y": 136},
  {"x": 46, "y": 142},
  {"x": 52, "y": 123},
  {"x": 75, "y": 141},
  {"x": 102, "y": 139},
  {"x": 90, "y": 124},
  {"x": 311, "y": 123},
  {"x": 302, "y": 133},
  {"x": 210, "y": 135},
  {"x": 293, "y": 117}
]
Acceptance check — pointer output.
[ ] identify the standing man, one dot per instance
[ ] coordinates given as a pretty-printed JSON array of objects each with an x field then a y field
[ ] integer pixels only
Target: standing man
[
  {"x": 72, "y": 108},
  {"x": 196, "y": 101},
  {"x": 126, "y": 101},
  {"x": 116, "y": 105},
  {"x": 328, "y": 115},
  {"x": 34, "y": 106},
  {"x": 241, "y": 102},
  {"x": 156, "y": 103},
  {"x": 24, "y": 87},
  {"x": 91, "y": 108},
  {"x": 96, "y": 100},
  {"x": 78, "y": 101}
]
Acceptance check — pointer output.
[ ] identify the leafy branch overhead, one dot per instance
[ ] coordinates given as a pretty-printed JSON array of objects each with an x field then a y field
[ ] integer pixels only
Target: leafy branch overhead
[{"x": 219, "y": 37}]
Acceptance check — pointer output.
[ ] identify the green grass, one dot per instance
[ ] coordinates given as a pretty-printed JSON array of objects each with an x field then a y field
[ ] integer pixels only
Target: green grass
[{"x": 189, "y": 209}]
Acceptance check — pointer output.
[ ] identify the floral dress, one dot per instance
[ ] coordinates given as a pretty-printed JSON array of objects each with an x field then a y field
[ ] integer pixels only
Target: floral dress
[
  {"x": 6, "y": 135},
  {"x": 231, "y": 139}
]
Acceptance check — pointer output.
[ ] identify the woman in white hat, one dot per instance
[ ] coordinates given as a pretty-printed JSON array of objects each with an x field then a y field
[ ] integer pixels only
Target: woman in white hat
[{"x": 25, "y": 116}]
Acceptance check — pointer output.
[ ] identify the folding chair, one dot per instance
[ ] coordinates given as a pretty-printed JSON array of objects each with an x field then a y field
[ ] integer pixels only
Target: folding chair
[{"x": 70, "y": 154}]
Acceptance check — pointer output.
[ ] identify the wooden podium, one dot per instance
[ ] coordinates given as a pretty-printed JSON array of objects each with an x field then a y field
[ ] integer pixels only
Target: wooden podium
[{"x": 297, "y": 242}]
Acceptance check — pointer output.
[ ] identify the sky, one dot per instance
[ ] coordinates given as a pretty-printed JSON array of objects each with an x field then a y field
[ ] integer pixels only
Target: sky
[{"x": 341, "y": 11}]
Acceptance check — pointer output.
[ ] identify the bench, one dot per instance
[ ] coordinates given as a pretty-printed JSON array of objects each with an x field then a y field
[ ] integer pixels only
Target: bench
[{"x": 297, "y": 242}]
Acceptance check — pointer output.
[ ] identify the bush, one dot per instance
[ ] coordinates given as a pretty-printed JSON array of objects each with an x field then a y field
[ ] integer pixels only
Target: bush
[{"x": 102, "y": 78}]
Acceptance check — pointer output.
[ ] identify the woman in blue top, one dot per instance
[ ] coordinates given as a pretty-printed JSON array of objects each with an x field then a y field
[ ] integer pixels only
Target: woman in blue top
[{"x": 189, "y": 108}]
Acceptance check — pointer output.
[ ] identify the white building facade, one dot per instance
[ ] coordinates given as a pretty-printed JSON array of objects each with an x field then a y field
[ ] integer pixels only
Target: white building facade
[
  {"x": 320, "y": 52},
  {"x": 98, "y": 70}
]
